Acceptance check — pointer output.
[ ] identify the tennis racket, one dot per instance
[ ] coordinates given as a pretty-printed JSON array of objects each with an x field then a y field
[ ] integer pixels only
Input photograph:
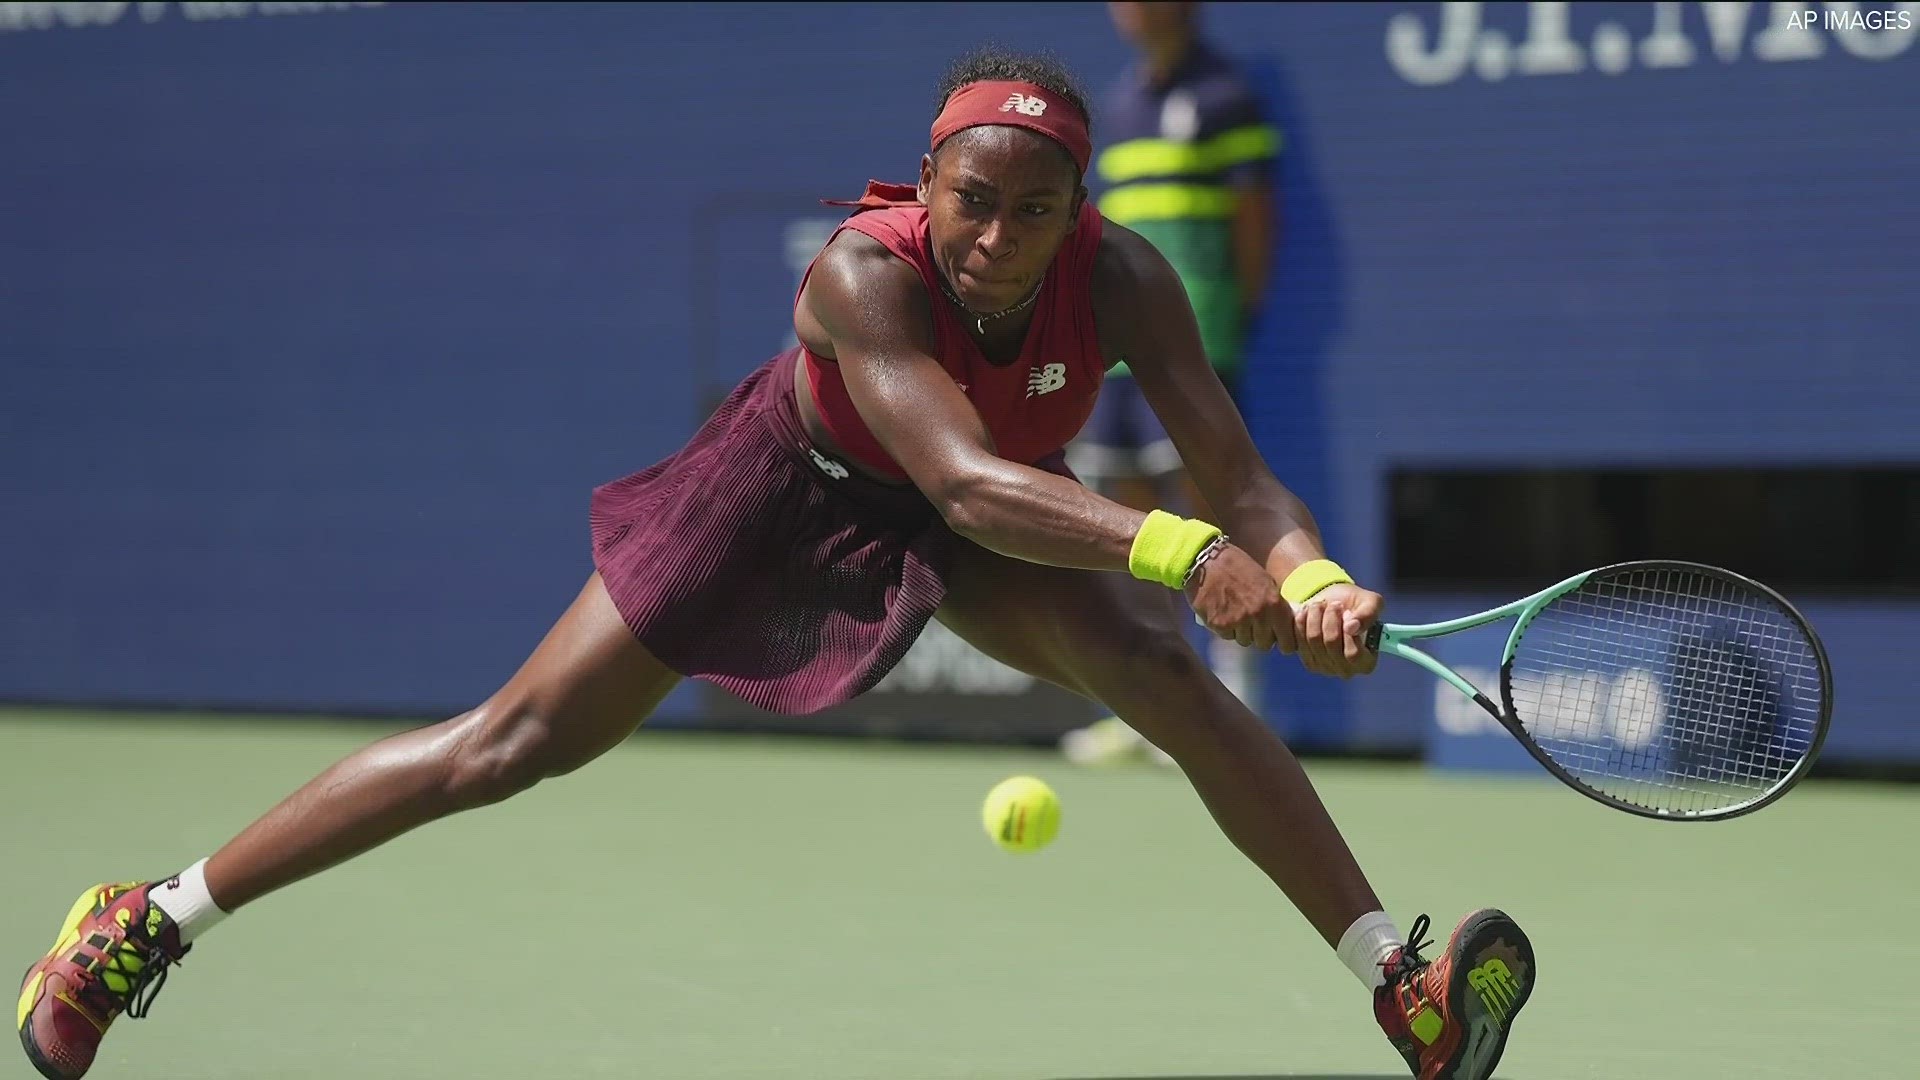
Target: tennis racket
[{"x": 1666, "y": 689}]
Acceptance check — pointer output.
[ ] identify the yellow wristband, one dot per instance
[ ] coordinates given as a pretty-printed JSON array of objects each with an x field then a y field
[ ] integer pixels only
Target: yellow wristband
[
  {"x": 1310, "y": 577},
  {"x": 1165, "y": 547}
]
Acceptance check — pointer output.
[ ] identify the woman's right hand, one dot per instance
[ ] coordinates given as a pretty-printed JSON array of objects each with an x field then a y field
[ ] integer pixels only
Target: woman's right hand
[{"x": 1235, "y": 598}]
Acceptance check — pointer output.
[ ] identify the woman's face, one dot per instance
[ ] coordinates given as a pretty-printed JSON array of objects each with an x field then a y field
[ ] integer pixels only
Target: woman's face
[{"x": 1000, "y": 202}]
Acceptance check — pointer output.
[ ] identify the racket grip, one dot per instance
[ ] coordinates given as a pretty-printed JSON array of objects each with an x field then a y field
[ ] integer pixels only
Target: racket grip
[{"x": 1373, "y": 638}]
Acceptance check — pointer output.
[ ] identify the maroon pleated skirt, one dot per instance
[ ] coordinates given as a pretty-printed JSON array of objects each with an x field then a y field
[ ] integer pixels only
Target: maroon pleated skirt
[{"x": 751, "y": 560}]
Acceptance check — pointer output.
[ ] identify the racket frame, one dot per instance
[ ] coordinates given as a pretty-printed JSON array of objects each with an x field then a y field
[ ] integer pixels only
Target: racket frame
[{"x": 1392, "y": 639}]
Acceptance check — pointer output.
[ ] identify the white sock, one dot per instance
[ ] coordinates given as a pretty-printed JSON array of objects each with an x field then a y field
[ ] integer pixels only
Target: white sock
[
  {"x": 187, "y": 902},
  {"x": 1366, "y": 944}
]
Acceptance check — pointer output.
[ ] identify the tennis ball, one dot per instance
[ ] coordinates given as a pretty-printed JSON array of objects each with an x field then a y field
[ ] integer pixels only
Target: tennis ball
[{"x": 1021, "y": 814}]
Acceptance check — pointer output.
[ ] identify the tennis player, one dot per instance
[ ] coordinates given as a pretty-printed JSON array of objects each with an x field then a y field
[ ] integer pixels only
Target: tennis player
[{"x": 903, "y": 463}]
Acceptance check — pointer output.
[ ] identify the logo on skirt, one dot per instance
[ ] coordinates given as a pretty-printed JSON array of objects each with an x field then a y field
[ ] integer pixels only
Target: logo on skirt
[{"x": 828, "y": 465}]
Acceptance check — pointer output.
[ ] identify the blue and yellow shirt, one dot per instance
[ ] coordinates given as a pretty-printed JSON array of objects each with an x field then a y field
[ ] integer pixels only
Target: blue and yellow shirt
[{"x": 1174, "y": 157}]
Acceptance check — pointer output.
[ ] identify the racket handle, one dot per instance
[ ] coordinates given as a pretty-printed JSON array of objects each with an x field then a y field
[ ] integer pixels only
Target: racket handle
[{"x": 1373, "y": 638}]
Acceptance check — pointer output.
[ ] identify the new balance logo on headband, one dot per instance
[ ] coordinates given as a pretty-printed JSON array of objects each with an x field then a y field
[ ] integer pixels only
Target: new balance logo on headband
[{"x": 1025, "y": 105}]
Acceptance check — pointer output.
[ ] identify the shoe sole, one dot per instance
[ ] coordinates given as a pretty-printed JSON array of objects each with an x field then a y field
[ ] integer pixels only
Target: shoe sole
[
  {"x": 1493, "y": 976},
  {"x": 80, "y": 910},
  {"x": 40, "y": 1063}
]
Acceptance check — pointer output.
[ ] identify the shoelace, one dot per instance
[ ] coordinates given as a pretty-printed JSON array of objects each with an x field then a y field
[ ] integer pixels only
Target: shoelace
[
  {"x": 147, "y": 984},
  {"x": 145, "y": 972},
  {"x": 1409, "y": 958}
]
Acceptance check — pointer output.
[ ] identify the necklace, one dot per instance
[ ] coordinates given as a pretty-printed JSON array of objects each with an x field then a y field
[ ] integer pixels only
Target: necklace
[{"x": 980, "y": 321}]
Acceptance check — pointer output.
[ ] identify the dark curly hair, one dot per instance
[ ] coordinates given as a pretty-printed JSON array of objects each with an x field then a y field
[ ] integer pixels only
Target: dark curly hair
[{"x": 995, "y": 64}]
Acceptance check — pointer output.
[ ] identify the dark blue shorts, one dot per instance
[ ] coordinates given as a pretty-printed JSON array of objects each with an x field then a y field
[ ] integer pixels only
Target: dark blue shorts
[{"x": 1123, "y": 437}]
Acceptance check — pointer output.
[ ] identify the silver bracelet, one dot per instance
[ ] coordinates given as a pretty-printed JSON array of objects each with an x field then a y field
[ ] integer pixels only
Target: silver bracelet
[{"x": 1214, "y": 547}]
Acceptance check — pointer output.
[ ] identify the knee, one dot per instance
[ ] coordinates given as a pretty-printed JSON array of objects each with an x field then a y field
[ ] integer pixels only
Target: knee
[
  {"x": 1166, "y": 691},
  {"x": 502, "y": 749}
]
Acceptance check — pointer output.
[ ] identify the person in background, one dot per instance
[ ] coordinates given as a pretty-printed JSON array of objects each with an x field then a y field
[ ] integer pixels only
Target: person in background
[{"x": 1189, "y": 166}]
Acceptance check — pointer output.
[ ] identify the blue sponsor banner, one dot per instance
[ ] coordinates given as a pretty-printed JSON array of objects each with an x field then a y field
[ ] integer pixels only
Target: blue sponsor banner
[{"x": 320, "y": 319}]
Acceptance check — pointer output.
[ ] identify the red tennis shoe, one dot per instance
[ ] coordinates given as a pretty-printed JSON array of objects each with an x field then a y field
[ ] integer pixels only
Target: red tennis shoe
[
  {"x": 111, "y": 957},
  {"x": 1450, "y": 1017}
]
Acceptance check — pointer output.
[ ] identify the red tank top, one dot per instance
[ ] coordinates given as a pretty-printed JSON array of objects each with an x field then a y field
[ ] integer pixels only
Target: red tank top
[{"x": 1032, "y": 407}]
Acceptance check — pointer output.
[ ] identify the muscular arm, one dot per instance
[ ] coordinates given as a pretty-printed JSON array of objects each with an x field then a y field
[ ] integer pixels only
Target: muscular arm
[
  {"x": 1145, "y": 318},
  {"x": 874, "y": 309}
]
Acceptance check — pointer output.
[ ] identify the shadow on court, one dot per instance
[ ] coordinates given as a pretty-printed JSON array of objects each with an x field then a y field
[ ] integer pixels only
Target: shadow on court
[{"x": 1262, "y": 1076}]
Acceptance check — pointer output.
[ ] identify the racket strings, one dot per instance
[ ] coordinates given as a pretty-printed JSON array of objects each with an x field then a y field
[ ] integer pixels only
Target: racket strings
[{"x": 1670, "y": 689}]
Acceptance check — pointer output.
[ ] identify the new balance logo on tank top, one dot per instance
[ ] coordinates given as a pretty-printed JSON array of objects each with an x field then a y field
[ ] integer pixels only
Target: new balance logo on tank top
[
  {"x": 1045, "y": 380},
  {"x": 1032, "y": 407}
]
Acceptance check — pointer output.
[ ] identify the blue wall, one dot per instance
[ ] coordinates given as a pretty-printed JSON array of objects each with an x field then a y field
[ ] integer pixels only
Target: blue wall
[{"x": 317, "y": 326}]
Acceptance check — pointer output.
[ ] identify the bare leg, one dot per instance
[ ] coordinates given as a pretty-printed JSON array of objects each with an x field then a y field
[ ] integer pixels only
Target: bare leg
[
  {"x": 1118, "y": 641},
  {"x": 586, "y": 688},
  {"x": 1234, "y": 664}
]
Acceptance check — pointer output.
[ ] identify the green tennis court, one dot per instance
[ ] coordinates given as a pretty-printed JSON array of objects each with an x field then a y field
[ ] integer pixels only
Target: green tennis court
[{"x": 700, "y": 908}]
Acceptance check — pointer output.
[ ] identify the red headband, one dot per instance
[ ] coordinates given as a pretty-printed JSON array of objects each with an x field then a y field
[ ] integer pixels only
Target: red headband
[{"x": 1017, "y": 104}]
